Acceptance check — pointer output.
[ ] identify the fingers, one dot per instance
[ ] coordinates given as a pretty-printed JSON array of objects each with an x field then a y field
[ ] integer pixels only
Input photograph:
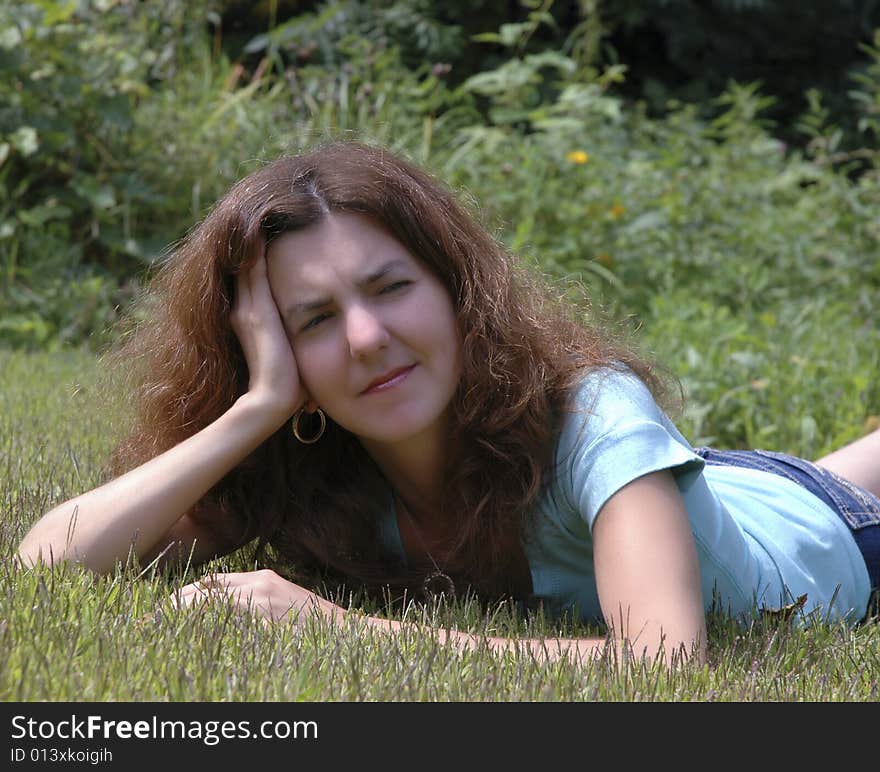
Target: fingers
[
  {"x": 251, "y": 278},
  {"x": 253, "y": 300},
  {"x": 193, "y": 593},
  {"x": 241, "y": 303},
  {"x": 215, "y": 586},
  {"x": 262, "y": 592},
  {"x": 245, "y": 281}
]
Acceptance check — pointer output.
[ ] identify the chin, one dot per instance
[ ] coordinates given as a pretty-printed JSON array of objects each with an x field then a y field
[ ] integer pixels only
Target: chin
[{"x": 397, "y": 428}]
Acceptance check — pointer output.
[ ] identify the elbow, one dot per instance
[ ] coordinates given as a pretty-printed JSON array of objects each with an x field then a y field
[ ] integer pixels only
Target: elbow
[
  {"x": 50, "y": 541},
  {"x": 31, "y": 553},
  {"x": 40, "y": 545}
]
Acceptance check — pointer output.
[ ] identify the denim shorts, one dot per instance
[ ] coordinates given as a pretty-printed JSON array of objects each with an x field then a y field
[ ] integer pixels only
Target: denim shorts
[{"x": 858, "y": 508}]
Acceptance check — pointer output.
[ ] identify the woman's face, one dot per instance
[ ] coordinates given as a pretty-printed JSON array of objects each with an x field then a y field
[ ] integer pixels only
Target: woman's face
[{"x": 373, "y": 331}]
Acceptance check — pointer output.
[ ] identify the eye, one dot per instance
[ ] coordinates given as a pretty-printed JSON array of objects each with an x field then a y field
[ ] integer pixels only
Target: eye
[
  {"x": 394, "y": 286},
  {"x": 314, "y": 322}
]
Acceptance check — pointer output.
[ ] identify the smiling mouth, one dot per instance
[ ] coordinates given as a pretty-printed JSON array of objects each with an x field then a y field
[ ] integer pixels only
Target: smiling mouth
[{"x": 396, "y": 377}]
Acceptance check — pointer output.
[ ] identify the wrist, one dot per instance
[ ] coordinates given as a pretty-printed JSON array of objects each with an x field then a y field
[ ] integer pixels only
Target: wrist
[
  {"x": 262, "y": 411},
  {"x": 330, "y": 610}
]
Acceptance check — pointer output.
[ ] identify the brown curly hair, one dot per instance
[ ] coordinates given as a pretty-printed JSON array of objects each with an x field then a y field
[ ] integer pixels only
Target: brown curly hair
[{"x": 524, "y": 350}]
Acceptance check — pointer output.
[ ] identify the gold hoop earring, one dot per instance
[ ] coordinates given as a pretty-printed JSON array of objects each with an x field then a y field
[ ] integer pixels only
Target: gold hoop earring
[{"x": 309, "y": 440}]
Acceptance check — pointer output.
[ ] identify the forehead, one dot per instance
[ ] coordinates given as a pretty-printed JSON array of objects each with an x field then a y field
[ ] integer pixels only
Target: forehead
[{"x": 343, "y": 245}]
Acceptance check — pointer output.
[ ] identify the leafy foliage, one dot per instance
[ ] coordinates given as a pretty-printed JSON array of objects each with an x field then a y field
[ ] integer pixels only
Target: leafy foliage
[
  {"x": 121, "y": 122},
  {"x": 73, "y": 77}
]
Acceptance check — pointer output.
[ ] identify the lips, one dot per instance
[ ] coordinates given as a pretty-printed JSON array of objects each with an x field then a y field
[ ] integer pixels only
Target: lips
[{"x": 378, "y": 383}]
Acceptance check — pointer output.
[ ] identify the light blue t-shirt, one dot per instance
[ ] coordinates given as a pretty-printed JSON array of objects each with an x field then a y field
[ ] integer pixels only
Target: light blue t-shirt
[{"x": 762, "y": 540}]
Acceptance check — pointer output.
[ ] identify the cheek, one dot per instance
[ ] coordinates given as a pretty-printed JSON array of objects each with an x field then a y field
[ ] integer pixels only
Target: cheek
[
  {"x": 445, "y": 329},
  {"x": 316, "y": 369},
  {"x": 308, "y": 363}
]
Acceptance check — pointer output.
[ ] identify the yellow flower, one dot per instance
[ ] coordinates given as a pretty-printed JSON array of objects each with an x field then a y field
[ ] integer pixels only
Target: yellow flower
[
  {"x": 617, "y": 211},
  {"x": 578, "y": 157}
]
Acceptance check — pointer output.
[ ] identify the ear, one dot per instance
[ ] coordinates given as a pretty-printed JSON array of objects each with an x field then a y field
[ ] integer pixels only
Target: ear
[{"x": 309, "y": 405}]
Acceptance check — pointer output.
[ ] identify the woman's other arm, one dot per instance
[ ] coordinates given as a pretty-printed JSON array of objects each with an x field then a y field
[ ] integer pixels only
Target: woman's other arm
[{"x": 145, "y": 508}]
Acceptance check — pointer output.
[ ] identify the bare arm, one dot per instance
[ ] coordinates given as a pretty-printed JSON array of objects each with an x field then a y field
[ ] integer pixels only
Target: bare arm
[
  {"x": 647, "y": 571},
  {"x": 145, "y": 507},
  {"x": 542, "y": 649},
  {"x": 142, "y": 506}
]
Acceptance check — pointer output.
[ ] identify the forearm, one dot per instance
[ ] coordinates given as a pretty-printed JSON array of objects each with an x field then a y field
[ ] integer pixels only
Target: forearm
[
  {"x": 576, "y": 650},
  {"x": 138, "y": 508}
]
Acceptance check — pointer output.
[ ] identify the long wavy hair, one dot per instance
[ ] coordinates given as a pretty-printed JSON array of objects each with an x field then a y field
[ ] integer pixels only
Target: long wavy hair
[{"x": 524, "y": 351}]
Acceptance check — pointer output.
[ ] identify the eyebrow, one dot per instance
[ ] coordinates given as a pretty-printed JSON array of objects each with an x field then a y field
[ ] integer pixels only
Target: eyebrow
[{"x": 316, "y": 303}]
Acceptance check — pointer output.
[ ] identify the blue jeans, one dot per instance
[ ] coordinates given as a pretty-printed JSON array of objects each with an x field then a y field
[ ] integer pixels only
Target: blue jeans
[{"x": 858, "y": 508}]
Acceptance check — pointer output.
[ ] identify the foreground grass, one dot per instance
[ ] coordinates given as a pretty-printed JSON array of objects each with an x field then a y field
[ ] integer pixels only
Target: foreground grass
[{"x": 67, "y": 635}]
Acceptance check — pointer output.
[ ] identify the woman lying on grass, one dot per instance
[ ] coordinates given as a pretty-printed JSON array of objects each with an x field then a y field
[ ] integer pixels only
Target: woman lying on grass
[{"x": 339, "y": 363}]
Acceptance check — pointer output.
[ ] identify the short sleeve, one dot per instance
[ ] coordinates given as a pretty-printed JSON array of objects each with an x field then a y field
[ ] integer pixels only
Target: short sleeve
[{"x": 616, "y": 434}]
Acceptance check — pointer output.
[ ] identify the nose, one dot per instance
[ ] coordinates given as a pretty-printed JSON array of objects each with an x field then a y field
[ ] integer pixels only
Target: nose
[{"x": 365, "y": 331}]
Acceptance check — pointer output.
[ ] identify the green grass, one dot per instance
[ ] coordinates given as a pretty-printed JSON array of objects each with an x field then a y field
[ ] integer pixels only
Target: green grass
[{"x": 68, "y": 635}]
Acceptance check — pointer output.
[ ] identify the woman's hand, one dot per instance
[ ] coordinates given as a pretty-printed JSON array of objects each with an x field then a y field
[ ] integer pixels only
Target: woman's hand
[
  {"x": 263, "y": 592},
  {"x": 274, "y": 382}
]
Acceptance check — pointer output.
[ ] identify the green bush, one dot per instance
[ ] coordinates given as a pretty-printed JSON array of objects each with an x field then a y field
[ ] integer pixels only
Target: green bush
[
  {"x": 74, "y": 75},
  {"x": 123, "y": 122},
  {"x": 752, "y": 270},
  {"x": 121, "y": 126}
]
